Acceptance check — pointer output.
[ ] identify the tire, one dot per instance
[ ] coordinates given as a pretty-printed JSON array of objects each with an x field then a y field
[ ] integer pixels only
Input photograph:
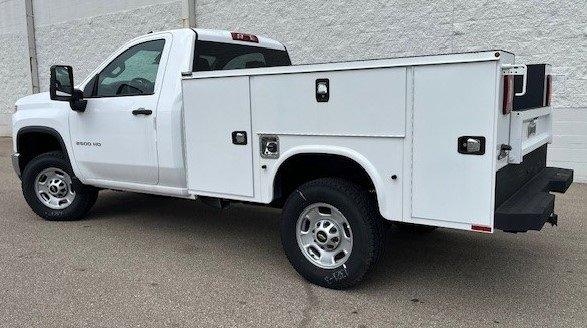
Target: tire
[
  {"x": 416, "y": 229},
  {"x": 78, "y": 199},
  {"x": 328, "y": 199}
]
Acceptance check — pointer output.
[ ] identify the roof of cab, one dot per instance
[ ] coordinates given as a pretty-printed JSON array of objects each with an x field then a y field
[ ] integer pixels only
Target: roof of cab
[{"x": 226, "y": 37}]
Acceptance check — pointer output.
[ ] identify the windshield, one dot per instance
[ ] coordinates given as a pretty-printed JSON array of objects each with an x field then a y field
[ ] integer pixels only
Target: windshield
[{"x": 213, "y": 56}]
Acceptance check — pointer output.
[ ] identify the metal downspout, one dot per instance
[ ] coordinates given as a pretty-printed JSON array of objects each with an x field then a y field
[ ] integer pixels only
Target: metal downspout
[
  {"x": 188, "y": 18},
  {"x": 30, "y": 28}
]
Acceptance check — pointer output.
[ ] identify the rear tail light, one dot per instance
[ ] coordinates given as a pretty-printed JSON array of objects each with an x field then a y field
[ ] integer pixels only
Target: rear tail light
[
  {"x": 480, "y": 228},
  {"x": 508, "y": 94},
  {"x": 548, "y": 96},
  {"x": 244, "y": 37}
]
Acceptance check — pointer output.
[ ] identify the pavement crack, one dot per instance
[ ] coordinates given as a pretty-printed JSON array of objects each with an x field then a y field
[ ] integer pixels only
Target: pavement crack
[{"x": 311, "y": 303}]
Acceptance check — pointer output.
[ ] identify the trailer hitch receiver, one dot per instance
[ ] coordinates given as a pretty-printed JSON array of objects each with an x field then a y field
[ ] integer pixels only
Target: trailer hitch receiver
[{"x": 552, "y": 219}]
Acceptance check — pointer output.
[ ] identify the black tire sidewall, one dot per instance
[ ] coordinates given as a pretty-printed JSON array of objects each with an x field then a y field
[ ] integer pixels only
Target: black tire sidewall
[
  {"x": 84, "y": 197},
  {"x": 361, "y": 257}
]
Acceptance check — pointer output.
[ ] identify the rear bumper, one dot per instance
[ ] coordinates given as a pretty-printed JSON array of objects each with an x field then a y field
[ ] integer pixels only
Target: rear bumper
[{"x": 532, "y": 205}]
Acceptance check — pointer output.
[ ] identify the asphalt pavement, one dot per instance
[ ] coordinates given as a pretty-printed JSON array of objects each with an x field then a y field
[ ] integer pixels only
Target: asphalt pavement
[{"x": 148, "y": 261}]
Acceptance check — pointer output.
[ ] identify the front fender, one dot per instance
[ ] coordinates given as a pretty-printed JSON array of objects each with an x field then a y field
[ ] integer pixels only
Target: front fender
[{"x": 52, "y": 118}]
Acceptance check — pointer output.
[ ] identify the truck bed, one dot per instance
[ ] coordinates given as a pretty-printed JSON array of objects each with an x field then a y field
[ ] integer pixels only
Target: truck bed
[{"x": 398, "y": 117}]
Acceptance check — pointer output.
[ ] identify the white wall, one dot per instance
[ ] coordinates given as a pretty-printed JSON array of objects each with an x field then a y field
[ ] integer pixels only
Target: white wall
[
  {"x": 569, "y": 148},
  {"x": 84, "y": 32},
  {"x": 75, "y": 33},
  {"x": 81, "y": 33},
  {"x": 14, "y": 67},
  {"x": 60, "y": 11}
]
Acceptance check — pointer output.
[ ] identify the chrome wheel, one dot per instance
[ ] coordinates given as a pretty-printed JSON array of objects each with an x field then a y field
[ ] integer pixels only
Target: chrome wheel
[
  {"x": 324, "y": 235},
  {"x": 53, "y": 188}
]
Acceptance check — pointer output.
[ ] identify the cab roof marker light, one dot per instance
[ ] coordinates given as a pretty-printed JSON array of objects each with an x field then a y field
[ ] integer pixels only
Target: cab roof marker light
[{"x": 244, "y": 37}]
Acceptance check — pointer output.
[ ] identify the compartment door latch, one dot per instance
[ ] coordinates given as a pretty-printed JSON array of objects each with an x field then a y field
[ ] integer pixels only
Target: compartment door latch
[
  {"x": 239, "y": 137},
  {"x": 470, "y": 145},
  {"x": 504, "y": 151},
  {"x": 322, "y": 90}
]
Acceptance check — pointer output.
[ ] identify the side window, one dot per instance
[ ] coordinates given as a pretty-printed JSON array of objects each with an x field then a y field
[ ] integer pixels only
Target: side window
[
  {"x": 132, "y": 73},
  {"x": 90, "y": 87}
]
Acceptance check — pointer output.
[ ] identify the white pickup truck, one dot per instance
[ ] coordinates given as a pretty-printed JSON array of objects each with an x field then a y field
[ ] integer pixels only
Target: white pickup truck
[{"x": 456, "y": 141}]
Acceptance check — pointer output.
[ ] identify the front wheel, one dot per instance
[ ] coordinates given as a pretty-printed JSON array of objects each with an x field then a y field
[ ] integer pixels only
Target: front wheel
[
  {"x": 51, "y": 190},
  {"x": 331, "y": 232}
]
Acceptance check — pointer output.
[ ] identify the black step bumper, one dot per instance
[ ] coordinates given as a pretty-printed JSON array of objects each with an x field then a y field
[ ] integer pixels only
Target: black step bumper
[{"x": 532, "y": 205}]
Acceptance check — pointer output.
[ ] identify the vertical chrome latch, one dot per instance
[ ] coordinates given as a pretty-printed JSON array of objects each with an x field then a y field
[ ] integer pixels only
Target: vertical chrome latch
[{"x": 322, "y": 90}]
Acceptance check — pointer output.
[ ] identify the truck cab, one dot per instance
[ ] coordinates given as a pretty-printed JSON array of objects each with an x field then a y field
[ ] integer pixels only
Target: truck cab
[
  {"x": 128, "y": 134},
  {"x": 455, "y": 141}
]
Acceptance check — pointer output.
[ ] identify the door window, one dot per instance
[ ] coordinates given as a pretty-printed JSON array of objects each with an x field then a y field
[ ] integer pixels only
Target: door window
[{"x": 132, "y": 73}]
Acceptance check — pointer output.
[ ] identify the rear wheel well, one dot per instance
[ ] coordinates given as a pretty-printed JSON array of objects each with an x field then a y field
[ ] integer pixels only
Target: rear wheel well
[
  {"x": 31, "y": 143},
  {"x": 302, "y": 168}
]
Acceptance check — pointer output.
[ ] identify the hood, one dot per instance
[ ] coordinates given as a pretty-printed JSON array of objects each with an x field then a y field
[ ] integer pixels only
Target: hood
[{"x": 34, "y": 101}]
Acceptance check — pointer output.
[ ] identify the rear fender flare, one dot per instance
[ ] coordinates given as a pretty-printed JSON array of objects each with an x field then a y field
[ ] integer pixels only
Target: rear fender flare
[{"x": 331, "y": 150}]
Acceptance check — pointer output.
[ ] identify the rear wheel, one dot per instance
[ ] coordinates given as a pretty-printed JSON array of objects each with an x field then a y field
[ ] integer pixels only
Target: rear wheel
[
  {"x": 331, "y": 232},
  {"x": 53, "y": 192}
]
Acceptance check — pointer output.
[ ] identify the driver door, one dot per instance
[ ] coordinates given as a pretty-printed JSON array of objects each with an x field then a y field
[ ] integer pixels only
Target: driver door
[{"x": 115, "y": 138}]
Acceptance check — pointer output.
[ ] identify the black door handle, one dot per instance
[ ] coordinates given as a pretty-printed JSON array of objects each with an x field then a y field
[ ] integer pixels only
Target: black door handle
[{"x": 142, "y": 111}]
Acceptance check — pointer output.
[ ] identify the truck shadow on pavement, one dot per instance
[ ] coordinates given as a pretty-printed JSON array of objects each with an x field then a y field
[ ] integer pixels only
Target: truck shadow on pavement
[{"x": 411, "y": 264}]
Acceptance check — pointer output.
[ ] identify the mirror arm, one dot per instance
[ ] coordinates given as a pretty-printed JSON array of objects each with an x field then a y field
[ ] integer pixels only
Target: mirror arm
[{"x": 77, "y": 102}]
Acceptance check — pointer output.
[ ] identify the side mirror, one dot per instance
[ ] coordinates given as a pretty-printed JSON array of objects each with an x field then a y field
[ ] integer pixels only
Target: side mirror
[{"x": 61, "y": 88}]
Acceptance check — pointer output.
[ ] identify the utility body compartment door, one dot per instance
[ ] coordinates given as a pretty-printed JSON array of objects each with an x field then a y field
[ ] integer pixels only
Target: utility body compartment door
[
  {"x": 454, "y": 104},
  {"x": 218, "y": 141}
]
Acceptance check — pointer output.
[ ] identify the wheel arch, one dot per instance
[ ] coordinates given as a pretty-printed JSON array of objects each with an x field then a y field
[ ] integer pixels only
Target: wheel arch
[
  {"x": 28, "y": 147},
  {"x": 335, "y": 154}
]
